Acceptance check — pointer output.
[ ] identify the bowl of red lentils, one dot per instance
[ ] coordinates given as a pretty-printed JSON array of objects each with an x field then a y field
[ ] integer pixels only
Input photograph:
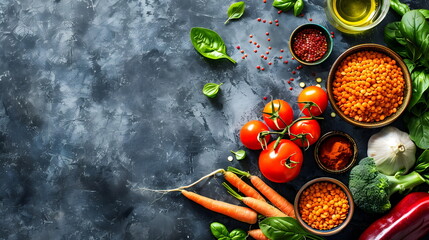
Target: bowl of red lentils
[
  {"x": 324, "y": 206},
  {"x": 369, "y": 86},
  {"x": 310, "y": 44}
]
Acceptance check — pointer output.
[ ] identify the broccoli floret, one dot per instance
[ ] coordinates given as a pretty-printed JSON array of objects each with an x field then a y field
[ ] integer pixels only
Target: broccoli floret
[{"x": 372, "y": 189}]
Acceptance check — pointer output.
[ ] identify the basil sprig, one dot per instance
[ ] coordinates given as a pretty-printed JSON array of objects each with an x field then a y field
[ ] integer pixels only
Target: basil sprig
[
  {"x": 209, "y": 44},
  {"x": 211, "y": 89},
  {"x": 280, "y": 228},
  {"x": 410, "y": 39},
  {"x": 221, "y": 232},
  {"x": 286, "y": 5},
  {"x": 235, "y": 11}
]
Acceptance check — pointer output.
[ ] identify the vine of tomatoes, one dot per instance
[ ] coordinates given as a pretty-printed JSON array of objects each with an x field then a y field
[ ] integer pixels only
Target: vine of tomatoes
[{"x": 280, "y": 160}]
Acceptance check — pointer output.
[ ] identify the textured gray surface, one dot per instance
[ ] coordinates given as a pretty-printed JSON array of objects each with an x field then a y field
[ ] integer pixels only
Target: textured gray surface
[{"x": 100, "y": 97}]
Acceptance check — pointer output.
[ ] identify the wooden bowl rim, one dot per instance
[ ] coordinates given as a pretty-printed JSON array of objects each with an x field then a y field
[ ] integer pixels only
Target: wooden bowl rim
[
  {"x": 378, "y": 48},
  {"x": 336, "y": 229}
]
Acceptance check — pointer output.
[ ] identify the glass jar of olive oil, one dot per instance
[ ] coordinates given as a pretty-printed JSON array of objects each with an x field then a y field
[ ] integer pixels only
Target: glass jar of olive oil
[{"x": 356, "y": 16}]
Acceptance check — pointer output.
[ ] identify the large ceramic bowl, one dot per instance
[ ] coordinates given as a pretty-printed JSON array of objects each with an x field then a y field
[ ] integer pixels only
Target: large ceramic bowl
[{"x": 399, "y": 62}]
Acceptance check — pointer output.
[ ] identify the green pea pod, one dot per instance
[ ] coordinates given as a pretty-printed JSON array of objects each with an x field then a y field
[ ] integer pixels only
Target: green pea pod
[
  {"x": 297, "y": 8},
  {"x": 284, "y": 5},
  {"x": 398, "y": 7}
]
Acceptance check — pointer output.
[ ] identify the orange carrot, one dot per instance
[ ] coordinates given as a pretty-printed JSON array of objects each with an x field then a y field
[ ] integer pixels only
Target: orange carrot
[
  {"x": 275, "y": 198},
  {"x": 257, "y": 234},
  {"x": 261, "y": 207},
  {"x": 242, "y": 186},
  {"x": 239, "y": 213}
]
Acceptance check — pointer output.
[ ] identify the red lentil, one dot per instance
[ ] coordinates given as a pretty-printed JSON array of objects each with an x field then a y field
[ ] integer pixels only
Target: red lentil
[{"x": 309, "y": 45}]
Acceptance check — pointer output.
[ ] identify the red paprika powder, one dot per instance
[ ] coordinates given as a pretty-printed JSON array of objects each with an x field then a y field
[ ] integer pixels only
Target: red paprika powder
[{"x": 335, "y": 153}]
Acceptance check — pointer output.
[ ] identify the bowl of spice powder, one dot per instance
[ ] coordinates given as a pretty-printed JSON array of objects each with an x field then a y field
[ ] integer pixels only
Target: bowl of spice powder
[
  {"x": 336, "y": 152},
  {"x": 310, "y": 44}
]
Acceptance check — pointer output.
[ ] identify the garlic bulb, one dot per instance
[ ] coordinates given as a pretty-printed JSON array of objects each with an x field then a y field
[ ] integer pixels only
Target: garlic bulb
[{"x": 392, "y": 150}]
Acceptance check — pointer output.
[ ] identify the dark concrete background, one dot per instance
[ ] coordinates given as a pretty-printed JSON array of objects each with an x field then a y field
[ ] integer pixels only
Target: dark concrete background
[{"x": 101, "y": 97}]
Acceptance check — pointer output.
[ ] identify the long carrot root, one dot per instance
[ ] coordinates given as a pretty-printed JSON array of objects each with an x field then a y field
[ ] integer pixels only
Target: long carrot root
[
  {"x": 275, "y": 198},
  {"x": 239, "y": 213},
  {"x": 257, "y": 234},
  {"x": 242, "y": 186},
  {"x": 259, "y": 206}
]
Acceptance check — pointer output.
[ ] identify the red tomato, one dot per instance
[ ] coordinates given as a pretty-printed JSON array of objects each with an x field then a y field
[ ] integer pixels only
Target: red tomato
[
  {"x": 316, "y": 95},
  {"x": 277, "y": 114},
  {"x": 311, "y": 130},
  {"x": 249, "y": 135},
  {"x": 282, "y": 164}
]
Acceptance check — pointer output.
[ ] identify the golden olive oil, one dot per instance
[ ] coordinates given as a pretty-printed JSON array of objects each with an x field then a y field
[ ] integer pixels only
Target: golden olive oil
[{"x": 355, "y": 12}]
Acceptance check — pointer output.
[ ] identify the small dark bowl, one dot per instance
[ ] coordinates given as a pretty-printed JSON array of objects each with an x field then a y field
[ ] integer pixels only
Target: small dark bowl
[
  {"x": 334, "y": 230},
  {"x": 325, "y": 33},
  {"x": 328, "y": 135},
  {"x": 377, "y": 48}
]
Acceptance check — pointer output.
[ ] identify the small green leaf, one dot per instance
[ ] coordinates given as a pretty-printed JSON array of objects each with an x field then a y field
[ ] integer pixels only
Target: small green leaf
[
  {"x": 422, "y": 163},
  {"x": 211, "y": 89},
  {"x": 219, "y": 230},
  {"x": 235, "y": 11},
  {"x": 240, "y": 154},
  {"x": 238, "y": 234},
  {"x": 420, "y": 85},
  {"x": 209, "y": 44},
  {"x": 284, "y": 5},
  {"x": 298, "y": 7}
]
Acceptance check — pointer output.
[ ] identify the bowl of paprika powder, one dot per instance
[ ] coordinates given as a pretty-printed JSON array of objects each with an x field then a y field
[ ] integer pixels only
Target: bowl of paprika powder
[{"x": 336, "y": 152}]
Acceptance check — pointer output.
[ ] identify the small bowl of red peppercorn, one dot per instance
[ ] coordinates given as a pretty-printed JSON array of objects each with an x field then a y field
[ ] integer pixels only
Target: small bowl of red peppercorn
[
  {"x": 336, "y": 152},
  {"x": 310, "y": 44}
]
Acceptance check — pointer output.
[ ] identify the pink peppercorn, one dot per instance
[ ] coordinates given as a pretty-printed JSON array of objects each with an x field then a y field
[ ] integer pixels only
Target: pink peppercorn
[
  {"x": 277, "y": 24},
  {"x": 276, "y": 21},
  {"x": 242, "y": 51},
  {"x": 270, "y": 63},
  {"x": 262, "y": 55},
  {"x": 265, "y": 58},
  {"x": 238, "y": 47},
  {"x": 282, "y": 50},
  {"x": 258, "y": 67},
  {"x": 269, "y": 39},
  {"x": 293, "y": 72},
  {"x": 286, "y": 62},
  {"x": 310, "y": 19},
  {"x": 250, "y": 36},
  {"x": 279, "y": 11},
  {"x": 264, "y": 21},
  {"x": 291, "y": 79},
  {"x": 267, "y": 52},
  {"x": 258, "y": 46},
  {"x": 263, "y": 69},
  {"x": 290, "y": 88},
  {"x": 309, "y": 45},
  {"x": 255, "y": 51},
  {"x": 267, "y": 33},
  {"x": 265, "y": 98},
  {"x": 269, "y": 48},
  {"x": 259, "y": 19},
  {"x": 271, "y": 22}
]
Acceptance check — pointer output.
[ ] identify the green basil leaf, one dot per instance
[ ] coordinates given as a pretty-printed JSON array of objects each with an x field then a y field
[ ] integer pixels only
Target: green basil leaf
[
  {"x": 418, "y": 128},
  {"x": 284, "y": 5},
  {"x": 422, "y": 163},
  {"x": 298, "y": 7},
  {"x": 238, "y": 234},
  {"x": 410, "y": 65},
  {"x": 277, "y": 228},
  {"x": 240, "y": 154},
  {"x": 235, "y": 11},
  {"x": 211, "y": 89},
  {"x": 219, "y": 230},
  {"x": 399, "y": 7},
  {"x": 424, "y": 12},
  {"x": 414, "y": 29},
  {"x": 391, "y": 37},
  {"x": 420, "y": 81},
  {"x": 209, "y": 44}
]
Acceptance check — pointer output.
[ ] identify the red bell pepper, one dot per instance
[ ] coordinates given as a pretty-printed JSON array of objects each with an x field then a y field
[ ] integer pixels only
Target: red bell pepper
[{"x": 409, "y": 219}]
